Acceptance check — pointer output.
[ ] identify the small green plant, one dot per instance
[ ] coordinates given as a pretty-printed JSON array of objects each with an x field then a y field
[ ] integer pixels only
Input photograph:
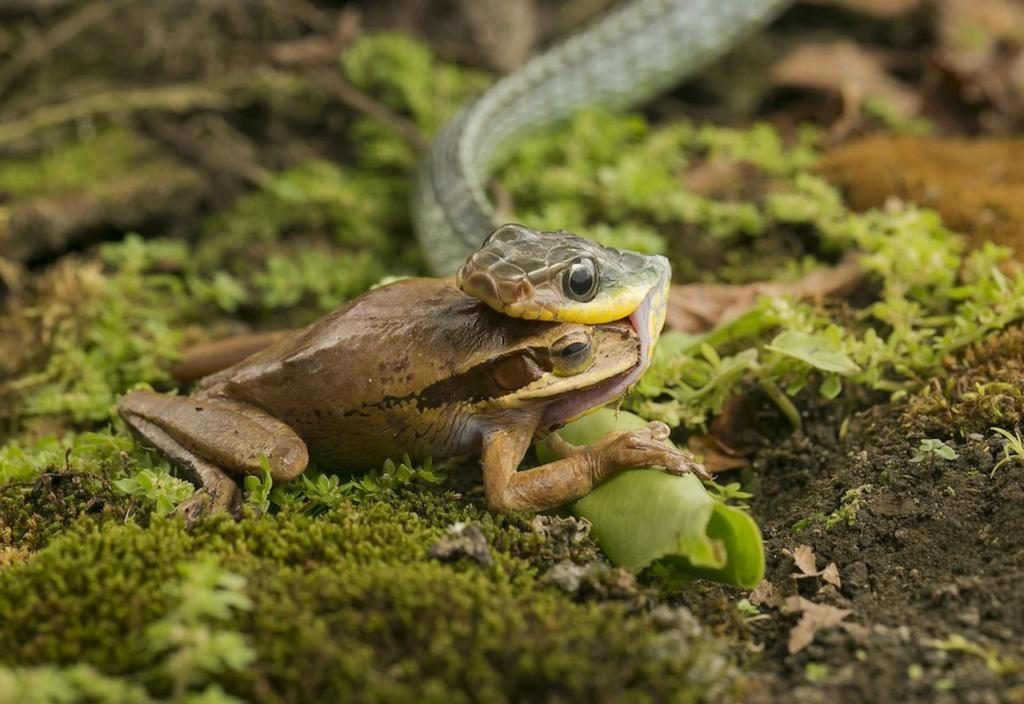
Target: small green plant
[
  {"x": 849, "y": 506},
  {"x": 161, "y": 488},
  {"x": 392, "y": 476},
  {"x": 750, "y": 612},
  {"x": 816, "y": 672},
  {"x": 257, "y": 489},
  {"x": 731, "y": 494},
  {"x": 194, "y": 640},
  {"x": 316, "y": 492},
  {"x": 933, "y": 447},
  {"x": 49, "y": 684},
  {"x": 996, "y": 663},
  {"x": 1013, "y": 448}
]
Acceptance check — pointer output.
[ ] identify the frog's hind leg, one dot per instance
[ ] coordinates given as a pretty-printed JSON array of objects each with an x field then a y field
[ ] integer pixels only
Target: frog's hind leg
[{"x": 210, "y": 437}]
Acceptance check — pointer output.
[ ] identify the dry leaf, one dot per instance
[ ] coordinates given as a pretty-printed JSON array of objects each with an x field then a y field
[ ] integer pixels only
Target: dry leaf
[
  {"x": 696, "y": 308},
  {"x": 981, "y": 45},
  {"x": 717, "y": 457},
  {"x": 804, "y": 559},
  {"x": 849, "y": 71},
  {"x": 764, "y": 594},
  {"x": 815, "y": 617},
  {"x": 717, "y": 178},
  {"x": 831, "y": 575}
]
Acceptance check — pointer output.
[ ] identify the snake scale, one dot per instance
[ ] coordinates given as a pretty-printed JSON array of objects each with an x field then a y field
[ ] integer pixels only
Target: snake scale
[{"x": 624, "y": 58}]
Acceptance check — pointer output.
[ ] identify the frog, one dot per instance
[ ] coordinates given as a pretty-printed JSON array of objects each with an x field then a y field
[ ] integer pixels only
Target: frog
[{"x": 416, "y": 366}]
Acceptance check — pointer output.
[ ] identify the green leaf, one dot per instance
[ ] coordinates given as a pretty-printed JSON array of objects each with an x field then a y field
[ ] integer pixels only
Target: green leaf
[
  {"x": 813, "y": 351},
  {"x": 831, "y": 387},
  {"x": 645, "y": 515}
]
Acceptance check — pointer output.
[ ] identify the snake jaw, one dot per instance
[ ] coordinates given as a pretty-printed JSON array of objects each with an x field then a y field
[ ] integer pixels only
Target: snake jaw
[{"x": 649, "y": 317}]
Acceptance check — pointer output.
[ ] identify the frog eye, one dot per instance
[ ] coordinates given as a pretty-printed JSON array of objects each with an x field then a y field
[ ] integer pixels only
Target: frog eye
[
  {"x": 572, "y": 353},
  {"x": 579, "y": 282}
]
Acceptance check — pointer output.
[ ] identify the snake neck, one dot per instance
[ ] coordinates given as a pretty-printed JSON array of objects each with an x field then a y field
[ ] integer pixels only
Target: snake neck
[{"x": 624, "y": 58}]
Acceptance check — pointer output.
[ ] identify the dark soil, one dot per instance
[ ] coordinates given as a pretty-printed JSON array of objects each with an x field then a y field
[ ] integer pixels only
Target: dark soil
[{"x": 934, "y": 552}]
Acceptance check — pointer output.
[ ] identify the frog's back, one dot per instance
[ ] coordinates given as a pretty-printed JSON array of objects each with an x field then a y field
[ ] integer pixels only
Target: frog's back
[{"x": 355, "y": 383}]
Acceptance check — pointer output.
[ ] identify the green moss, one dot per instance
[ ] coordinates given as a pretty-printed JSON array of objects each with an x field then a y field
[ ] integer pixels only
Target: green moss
[
  {"x": 315, "y": 235},
  {"x": 46, "y": 484},
  {"x": 604, "y": 168},
  {"x": 349, "y": 605},
  {"x": 100, "y": 333},
  {"x": 935, "y": 299},
  {"x": 850, "y": 504},
  {"x": 77, "y": 683},
  {"x": 104, "y": 156},
  {"x": 406, "y": 77},
  {"x": 982, "y": 389},
  {"x": 31, "y": 514},
  {"x": 93, "y": 453}
]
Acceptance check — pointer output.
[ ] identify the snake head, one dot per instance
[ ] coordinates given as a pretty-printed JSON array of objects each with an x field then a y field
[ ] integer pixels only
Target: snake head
[{"x": 559, "y": 276}]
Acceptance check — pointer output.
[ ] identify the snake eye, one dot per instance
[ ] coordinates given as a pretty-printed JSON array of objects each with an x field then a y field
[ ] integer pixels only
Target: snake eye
[{"x": 580, "y": 280}]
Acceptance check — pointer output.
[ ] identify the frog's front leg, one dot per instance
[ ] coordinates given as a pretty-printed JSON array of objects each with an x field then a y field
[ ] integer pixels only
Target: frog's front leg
[
  {"x": 208, "y": 437},
  {"x": 582, "y": 468}
]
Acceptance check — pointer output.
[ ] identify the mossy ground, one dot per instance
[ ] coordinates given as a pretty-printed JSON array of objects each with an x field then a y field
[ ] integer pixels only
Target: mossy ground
[
  {"x": 334, "y": 595},
  {"x": 349, "y": 605}
]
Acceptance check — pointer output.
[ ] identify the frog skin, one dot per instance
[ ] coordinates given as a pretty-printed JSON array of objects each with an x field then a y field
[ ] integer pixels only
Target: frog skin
[
  {"x": 416, "y": 366},
  {"x": 522, "y": 273}
]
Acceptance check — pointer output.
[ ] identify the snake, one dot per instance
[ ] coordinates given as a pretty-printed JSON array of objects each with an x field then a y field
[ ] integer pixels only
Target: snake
[{"x": 627, "y": 56}]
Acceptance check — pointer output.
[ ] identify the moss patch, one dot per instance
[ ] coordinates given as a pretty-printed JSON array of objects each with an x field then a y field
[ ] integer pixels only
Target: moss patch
[{"x": 350, "y": 605}]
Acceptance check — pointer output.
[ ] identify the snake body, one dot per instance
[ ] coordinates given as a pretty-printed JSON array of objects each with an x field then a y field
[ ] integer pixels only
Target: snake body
[{"x": 624, "y": 58}]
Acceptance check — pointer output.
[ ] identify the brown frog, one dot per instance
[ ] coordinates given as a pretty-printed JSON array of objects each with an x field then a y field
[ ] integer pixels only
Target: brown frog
[{"x": 414, "y": 367}]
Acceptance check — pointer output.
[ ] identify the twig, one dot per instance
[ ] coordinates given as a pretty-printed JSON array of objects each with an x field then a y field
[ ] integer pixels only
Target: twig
[
  {"x": 172, "y": 98},
  {"x": 361, "y": 102},
  {"x": 220, "y": 157},
  {"x": 46, "y": 43}
]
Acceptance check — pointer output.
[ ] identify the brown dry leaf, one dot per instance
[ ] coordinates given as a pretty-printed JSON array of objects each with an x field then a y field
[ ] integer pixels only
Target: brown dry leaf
[
  {"x": 815, "y": 617},
  {"x": 717, "y": 457},
  {"x": 847, "y": 70},
  {"x": 696, "y": 308},
  {"x": 973, "y": 25},
  {"x": 831, "y": 575},
  {"x": 805, "y": 561},
  {"x": 764, "y": 594},
  {"x": 981, "y": 45},
  {"x": 715, "y": 178}
]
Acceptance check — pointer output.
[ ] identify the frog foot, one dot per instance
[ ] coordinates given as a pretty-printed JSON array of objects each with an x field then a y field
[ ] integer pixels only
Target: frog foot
[
  {"x": 221, "y": 496},
  {"x": 642, "y": 447}
]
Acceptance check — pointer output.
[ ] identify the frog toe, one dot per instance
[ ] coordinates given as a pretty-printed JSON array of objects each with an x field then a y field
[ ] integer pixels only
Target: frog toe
[{"x": 225, "y": 496}]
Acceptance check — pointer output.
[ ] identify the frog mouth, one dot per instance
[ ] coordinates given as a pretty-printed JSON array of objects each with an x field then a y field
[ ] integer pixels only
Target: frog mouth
[{"x": 647, "y": 321}]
